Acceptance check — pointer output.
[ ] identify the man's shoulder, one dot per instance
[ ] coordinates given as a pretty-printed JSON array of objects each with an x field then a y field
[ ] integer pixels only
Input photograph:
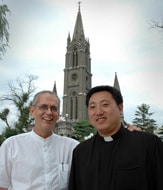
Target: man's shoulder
[
  {"x": 16, "y": 138},
  {"x": 65, "y": 139},
  {"x": 141, "y": 136},
  {"x": 86, "y": 144}
]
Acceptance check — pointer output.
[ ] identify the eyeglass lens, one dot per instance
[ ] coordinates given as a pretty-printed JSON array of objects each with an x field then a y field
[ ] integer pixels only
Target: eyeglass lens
[{"x": 45, "y": 107}]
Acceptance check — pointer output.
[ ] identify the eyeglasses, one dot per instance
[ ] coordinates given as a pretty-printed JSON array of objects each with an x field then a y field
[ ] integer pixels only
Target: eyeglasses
[{"x": 44, "y": 108}]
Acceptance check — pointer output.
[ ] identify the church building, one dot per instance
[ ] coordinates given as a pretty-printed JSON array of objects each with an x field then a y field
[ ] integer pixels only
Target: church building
[
  {"x": 77, "y": 77},
  {"x": 77, "y": 73}
]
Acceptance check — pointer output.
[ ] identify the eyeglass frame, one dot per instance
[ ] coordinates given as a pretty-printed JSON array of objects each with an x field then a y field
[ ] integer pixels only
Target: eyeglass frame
[{"x": 45, "y": 107}]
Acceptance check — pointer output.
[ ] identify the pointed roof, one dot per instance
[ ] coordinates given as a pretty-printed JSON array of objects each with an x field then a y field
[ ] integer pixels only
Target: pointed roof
[
  {"x": 55, "y": 88},
  {"x": 79, "y": 30},
  {"x": 116, "y": 83}
]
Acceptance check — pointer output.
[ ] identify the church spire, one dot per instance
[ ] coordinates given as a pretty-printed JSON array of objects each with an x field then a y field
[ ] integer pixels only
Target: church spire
[
  {"x": 55, "y": 88},
  {"x": 77, "y": 73},
  {"x": 79, "y": 5},
  {"x": 55, "y": 91},
  {"x": 116, "y": 83},
  {"x": 78, "y": 30},
  {"x": 68, "y": 39}
]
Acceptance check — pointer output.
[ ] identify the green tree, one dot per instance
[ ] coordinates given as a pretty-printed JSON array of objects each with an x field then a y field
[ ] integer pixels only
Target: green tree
[
  {"x": 156, "y": 24},
  {"x": 1, "y": 139},
  {"x": 4, "y": 27},
  {"x": 8, "y": 130},
  {"x": 19, "y": 96},
  {"x": 160, "y": 132},
  {"x": 3, "y": 116},
  {"x": 82, "y": 129},
  {"x": 143, "y": 119}
]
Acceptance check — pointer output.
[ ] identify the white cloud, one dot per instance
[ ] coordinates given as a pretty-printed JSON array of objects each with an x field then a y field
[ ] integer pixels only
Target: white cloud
[{"x": 121, "y": 41}]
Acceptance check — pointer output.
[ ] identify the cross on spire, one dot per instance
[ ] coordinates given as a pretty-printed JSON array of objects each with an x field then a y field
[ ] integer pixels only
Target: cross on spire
[{"x": 79, "y": 4}]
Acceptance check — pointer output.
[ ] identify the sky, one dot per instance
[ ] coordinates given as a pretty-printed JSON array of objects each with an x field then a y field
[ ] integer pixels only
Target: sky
[{"x": 121, "y": 37}]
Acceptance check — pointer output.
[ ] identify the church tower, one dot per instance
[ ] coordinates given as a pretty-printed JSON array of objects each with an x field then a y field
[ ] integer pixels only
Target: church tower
[
  {"x": 77, "y": 73},
  {"x": 116, "y": 82},
  {"x": 117, "y": 86}
]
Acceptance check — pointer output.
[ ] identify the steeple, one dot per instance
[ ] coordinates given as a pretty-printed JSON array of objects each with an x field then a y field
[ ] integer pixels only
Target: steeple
[
  {"x": 77, "y": 73},
  {"x": 116, "y": 83},
  {"x": 55, "y": 88},
  {"x": 55, "y": 91},
  {"x": 78, "y": 30},
  {"x": 68, "y": 39}
]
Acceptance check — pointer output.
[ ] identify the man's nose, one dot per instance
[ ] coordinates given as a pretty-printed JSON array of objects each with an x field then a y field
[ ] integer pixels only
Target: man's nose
[
  {"x": 99, "y": 110},
  {"x": 49, "y": 110}
]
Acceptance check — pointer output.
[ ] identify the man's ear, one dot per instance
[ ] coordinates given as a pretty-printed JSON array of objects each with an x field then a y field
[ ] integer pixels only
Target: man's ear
[
  {"x": 31, "y": 110},
  {"x": 121, "y": 108}
]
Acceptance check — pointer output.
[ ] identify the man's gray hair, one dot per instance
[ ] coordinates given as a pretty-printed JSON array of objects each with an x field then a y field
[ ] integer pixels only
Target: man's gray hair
[{"x": 37, "y": 95}]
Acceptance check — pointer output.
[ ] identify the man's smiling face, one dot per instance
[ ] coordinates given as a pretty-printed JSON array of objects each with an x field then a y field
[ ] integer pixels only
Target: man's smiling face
[
  {"x": 45, "y": 119},
  {"x": 104, "y": 113}
]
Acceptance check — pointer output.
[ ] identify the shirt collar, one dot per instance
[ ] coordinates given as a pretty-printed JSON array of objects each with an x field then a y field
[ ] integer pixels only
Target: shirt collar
[
  {"x": 39, "y": 138},
  {"x": 108, "y": 139},
  {"x": 117, "y": 135}
]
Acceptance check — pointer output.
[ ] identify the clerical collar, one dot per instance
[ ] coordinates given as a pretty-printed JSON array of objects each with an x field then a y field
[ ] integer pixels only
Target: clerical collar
[
  {"x": 108, "y": 139},
  {"x": 113, "y": 137}
]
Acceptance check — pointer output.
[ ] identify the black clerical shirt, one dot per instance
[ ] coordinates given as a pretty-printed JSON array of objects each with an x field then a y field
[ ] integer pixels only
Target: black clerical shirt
[{"x": 124, "y": 161}]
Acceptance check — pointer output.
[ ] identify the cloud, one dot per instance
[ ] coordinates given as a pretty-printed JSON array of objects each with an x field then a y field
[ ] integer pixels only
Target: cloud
[{"x": 121, "y": 41}]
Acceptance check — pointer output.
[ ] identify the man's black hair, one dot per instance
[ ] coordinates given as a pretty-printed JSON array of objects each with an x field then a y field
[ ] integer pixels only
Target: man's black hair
[{"x": 114, "y": 91}]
